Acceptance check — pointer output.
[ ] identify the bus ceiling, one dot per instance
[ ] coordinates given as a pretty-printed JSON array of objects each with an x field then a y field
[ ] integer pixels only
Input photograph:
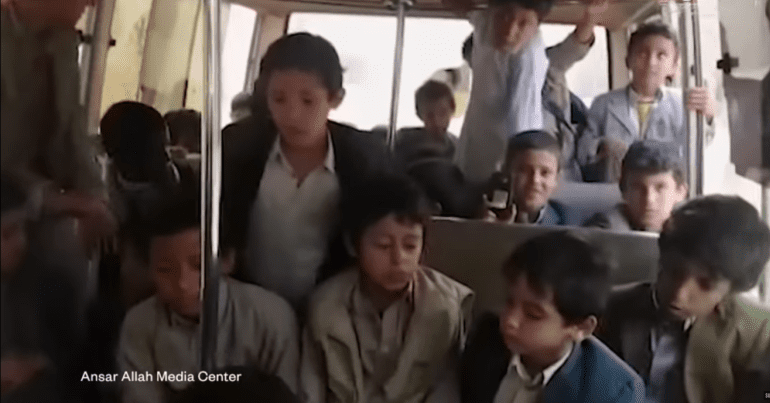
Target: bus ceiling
[{"x": 620, "y": 14}]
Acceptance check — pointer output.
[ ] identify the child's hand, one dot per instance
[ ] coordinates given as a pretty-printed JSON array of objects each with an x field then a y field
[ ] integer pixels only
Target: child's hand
[
  {"x": 699, "y": 99},
  {"x": 585, "y": 28},
  {"x": 17, "y": 371}
]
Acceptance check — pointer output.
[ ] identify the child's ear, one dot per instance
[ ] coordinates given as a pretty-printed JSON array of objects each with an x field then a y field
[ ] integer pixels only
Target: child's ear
[
  {"x": 585, "y": 328},
  {"x": 336, "y": 98}
]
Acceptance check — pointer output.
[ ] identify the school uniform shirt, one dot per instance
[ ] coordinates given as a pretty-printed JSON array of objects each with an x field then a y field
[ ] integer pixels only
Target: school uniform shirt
[
  {"x": 720, "y": 351},
  {"x": 246, "y": 147},
  {"x": 43, "y": 122},
  {"x": 553, "y": 213},
  {"x": 255, "y": 327},
  {"x": 506, "y": 98},
  {"x": 518, "y": 386},
  {"x": 291, "y": 226},
  {"x": 408, "y": 353}
]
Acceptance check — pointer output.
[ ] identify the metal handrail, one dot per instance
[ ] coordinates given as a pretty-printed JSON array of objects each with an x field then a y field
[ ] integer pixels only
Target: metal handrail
[
  {"x": 211, "y": 178},
  {"x": 400, "y": 6}
]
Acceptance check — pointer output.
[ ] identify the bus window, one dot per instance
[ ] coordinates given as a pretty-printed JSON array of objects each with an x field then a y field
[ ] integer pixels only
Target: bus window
[
  {"x": 235, "y": 54},
  {"x": 589, "y": 77},
  {"x": 430, "y": 44}
]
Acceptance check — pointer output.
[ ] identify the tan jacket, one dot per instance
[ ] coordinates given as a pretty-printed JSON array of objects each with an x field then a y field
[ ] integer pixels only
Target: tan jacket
[
  {"x": 426, "y": 370},
  {"x": 722, "y": 348}
]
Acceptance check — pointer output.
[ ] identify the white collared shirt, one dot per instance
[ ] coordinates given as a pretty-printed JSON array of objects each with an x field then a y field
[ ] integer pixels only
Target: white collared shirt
[
  {"x": 506, "y": 98},
  {"x": 517, "y": 378},
  {"x": 291, "y": 225}
]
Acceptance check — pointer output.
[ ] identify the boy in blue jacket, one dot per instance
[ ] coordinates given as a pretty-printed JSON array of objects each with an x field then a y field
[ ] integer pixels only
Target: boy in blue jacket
[{"x": 541, "y": 349}]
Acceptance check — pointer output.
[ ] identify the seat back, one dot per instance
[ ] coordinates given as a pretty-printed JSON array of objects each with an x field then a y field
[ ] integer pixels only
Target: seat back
[
  {"x": 473, "y": 252},
  {"x": 583, "y": 200}
]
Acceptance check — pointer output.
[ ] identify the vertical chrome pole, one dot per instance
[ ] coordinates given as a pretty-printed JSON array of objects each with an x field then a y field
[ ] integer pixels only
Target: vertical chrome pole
[
  {"x": 400, "y": 6},
  {"x": 692, "y": 73},
  {"x": 700, "y": 141},
  {"x": 211, "y": 178},
  {"x": 764, "y": 284}
]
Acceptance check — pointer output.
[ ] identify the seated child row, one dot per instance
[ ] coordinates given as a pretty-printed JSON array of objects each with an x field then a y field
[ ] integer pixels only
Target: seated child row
[{"x": 392, "y": 330}]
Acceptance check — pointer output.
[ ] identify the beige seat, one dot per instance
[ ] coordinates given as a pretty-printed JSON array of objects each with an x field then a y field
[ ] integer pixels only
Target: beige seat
[{"x": 473, "y": 252}]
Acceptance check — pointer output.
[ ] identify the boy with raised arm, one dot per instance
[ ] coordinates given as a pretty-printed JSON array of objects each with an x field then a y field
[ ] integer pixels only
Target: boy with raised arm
[{"x": 509, "y": 69}]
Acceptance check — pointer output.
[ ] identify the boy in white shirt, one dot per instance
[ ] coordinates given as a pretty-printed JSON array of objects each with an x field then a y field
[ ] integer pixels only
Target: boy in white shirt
[{"x": 509, "y": 66}]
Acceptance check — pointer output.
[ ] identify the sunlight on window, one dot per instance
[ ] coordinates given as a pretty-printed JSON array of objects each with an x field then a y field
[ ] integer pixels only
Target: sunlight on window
[
  {"x": 589, "y": 77},
  {"x": 235, "y": 55},
  {"x": 430, "y": 45}
]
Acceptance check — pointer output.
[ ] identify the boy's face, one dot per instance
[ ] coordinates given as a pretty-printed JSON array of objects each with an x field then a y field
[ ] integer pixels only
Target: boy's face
[
  {"x": 513, "y": 27},
  {"x": 651, "y": 61},
  {"x": 650, "y": 198},
  {"x": 175, "y": 261},
  {"x": 686, "y": 289},
  {"x": 436, "y": 117},
  {"x": 532, "y": 326},
  {"x": 300, "y": 104},
  {"x": 534, "y": 176},
  {"x": 14, "y": 241},
  {"x": 390, "y": 253}
]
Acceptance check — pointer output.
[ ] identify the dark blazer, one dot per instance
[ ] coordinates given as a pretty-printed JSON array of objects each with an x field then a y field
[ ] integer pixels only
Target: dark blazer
[
  {"x": 592, "y": 373},
  {"x": 725, "y": 349},
  {"x": 246, "y": 146}
]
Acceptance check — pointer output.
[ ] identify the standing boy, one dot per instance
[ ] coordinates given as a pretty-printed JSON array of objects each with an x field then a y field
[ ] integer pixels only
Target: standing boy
[
  {"x": 509, "y": 69},
  {"x": 646, "y": 109}
]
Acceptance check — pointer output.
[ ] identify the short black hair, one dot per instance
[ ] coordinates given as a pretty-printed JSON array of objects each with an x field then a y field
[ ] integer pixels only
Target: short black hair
[
  {"x": 542, "y": 7},
  {"x": 370, "y": 201},
  {"x": 177, "y": 210},
  {"x": 253, "y": 386},
  {"x": 185, "y": 124},
  {"x": 537, "y": 140},
  {"x": 12, "y": 195},
  {"x": 722, "y": 234},
  {"x": 652, "y": 157},
  {"x": 576, "y": 272},
  {"x": 241, "y": 100},
  {"x": 468, "y": 48},
  {"x": 128, "y": 128},
  {"x": 654, "y": 28},
  {"x": 135, "y": 136},
  {"x": 432, "y": 91},
  {"x": 307, "y": 53}
]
